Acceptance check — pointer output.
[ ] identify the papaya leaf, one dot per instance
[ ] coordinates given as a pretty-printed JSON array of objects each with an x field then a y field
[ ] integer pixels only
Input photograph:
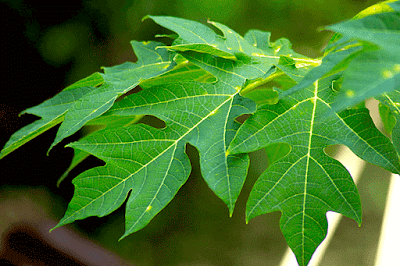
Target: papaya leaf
[
  {"x": 367, "y": 49},
  {"x": 52, "y": 112},
  {"x": 395, "y": 4},
  {"x": 374, "y": 72},
  {"x": 389, "y": 111},
  {"x": 182, "y": 72},
  {"x": 101, "y": 122},
  {"x": 250, "y": 58},
  {"x": 306, "y": 183},
  {"x": 194, "y": 36},
  {"x": 151, "y": 163},
  {"x": 117, "y": 81},
  {"x": 91, "y": 97}
]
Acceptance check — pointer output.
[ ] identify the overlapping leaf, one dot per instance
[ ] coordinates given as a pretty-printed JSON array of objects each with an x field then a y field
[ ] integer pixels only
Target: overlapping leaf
[
  {"x": 151, "y": 163},
  {"x": 117, "y": 81},
  {"x": 93, "y": 96},
  {"x": 307, "y": 183},
  {"x": 183, "y": 71},
  {"x": 231, "y": 58},
  {"x": 370, "y": 71},
  {"x": 374, "y": 72}
]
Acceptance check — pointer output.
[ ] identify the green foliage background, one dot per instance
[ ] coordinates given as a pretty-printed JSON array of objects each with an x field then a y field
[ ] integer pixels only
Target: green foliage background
[{"x": 195, "y": 227}]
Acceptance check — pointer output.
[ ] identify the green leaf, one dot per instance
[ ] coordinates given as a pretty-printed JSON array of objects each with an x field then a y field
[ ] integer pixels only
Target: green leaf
[
  {"x": 306, "y": 183},
  {"x": 395, "y": 4},
  {"x": 388, "y": 118},
  {"x": 333, "y": 63},
  {"x": 254, "y": 55},
  {"x": 93, "y": 80},
  {"x": 195, "y": 36},
  {"x": 91, "y": 97},
  {"x": 373, "y": 72},
  {"x": 151, "y": 163},
  {"x": 105, "y": 121},
  {"x": 184, "y": 71},
  {"x": 52, "y": 112},
  {"x": 117, "y": 81},
  {"x": 389, "y": 109}
]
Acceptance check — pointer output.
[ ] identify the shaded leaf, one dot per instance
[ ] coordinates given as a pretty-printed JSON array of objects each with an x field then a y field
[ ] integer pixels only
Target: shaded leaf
[{"x": 373, "y": 72}]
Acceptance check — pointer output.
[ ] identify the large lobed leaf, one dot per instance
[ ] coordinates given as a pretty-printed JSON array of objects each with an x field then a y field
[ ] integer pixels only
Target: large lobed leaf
[
  {"x": 307, "y": 183},
  {"x": 151, "y": 163}
]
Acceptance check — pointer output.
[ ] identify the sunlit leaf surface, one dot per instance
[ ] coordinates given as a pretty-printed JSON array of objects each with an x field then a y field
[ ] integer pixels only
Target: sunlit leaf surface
[{"x": 307, "y": 183}]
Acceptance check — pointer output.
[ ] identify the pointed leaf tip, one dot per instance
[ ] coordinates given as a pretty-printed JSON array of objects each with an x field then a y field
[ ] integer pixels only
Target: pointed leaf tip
[{"x": 146, "y": 17}]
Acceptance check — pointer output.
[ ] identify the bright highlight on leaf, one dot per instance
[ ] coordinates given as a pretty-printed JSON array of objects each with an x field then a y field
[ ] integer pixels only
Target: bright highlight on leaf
[{"x": 200, "y": 88}]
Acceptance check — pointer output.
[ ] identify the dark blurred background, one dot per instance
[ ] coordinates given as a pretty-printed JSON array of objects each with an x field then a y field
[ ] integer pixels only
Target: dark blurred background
[{"x": 46, "y": 46}]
